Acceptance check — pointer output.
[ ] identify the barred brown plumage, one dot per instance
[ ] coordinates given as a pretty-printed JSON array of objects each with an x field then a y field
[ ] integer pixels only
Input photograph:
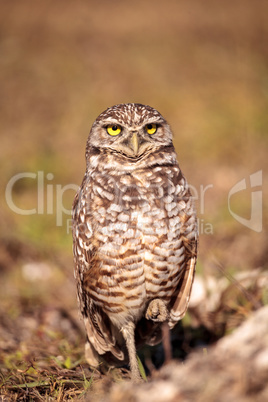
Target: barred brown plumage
[{"x": 134, "y": 235}]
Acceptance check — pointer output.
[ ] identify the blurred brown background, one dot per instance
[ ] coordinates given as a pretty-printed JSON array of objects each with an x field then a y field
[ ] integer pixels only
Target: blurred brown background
[{"x": 203, "y": 65}]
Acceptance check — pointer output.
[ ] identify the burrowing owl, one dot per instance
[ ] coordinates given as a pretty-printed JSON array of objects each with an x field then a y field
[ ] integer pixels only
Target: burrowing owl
[{"x": 134, "y": 234}]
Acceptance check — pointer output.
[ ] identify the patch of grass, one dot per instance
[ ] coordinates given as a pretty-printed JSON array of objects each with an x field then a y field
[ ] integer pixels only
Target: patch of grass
[
  {"x": 55, "y": 383},
  {"x": 141, "y": 368}
]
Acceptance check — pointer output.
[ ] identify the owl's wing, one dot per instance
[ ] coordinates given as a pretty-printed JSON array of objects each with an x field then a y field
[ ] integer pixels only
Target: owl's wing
[
  {"x": 101, "y": 334},
  {"x": 189, "y": 236},
  {"x": 183, "y": 297}
]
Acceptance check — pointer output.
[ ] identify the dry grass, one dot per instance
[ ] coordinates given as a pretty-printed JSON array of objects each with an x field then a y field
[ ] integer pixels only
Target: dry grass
[{"x": 204, "y": 67}]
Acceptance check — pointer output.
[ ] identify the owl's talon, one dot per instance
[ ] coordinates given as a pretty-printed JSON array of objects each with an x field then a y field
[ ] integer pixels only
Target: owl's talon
[{"x": 157, "y": 311}]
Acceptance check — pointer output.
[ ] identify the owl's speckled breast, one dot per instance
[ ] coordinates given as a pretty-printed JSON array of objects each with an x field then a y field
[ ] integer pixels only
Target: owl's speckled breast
[{"x": 136, "y": 224}]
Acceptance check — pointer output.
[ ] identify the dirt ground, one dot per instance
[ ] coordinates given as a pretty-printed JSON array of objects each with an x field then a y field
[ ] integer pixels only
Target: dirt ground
[{"x": 203, "y": 65}]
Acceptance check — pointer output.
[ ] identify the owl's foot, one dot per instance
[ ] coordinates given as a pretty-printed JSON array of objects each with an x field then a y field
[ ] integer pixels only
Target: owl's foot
[{"x": 157, "y": 311}]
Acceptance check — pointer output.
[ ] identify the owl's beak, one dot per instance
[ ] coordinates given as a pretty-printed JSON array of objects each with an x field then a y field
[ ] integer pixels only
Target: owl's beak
[{"x": 134, "y": 143}]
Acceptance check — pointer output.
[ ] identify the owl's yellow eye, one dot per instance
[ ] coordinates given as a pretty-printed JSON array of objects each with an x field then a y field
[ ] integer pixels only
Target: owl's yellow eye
[
  {"x": 151, "y": 128},
  {"x": 113, "y": 129}
]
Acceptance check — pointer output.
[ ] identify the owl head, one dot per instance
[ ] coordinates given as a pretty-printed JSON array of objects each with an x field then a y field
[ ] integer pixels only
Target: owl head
[{"x": 131, "y": 130}]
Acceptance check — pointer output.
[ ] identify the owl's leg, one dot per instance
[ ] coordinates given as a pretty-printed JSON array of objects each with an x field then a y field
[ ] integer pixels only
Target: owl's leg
[
  {"x": 128, "y": 332},
  {"x": 157, "y": 311},
  {"x": 166, "y": 341}
]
